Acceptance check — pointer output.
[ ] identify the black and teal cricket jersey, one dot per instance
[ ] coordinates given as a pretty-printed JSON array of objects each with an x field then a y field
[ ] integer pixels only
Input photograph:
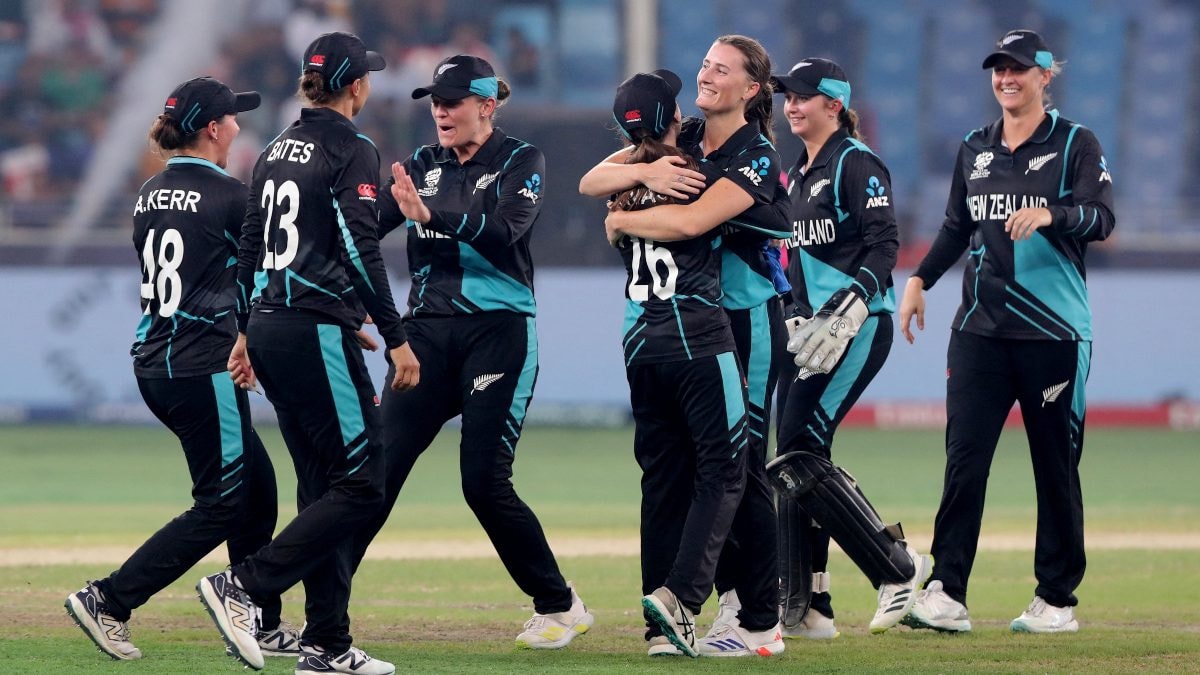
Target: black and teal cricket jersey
[
  {"x": 473, "y": 255},
  {"x": 1032, "y": 289},
  {"x": 185, "y": 227},
  {"x": 309, "y": 241},
  {"x": 843, "y": 226}
]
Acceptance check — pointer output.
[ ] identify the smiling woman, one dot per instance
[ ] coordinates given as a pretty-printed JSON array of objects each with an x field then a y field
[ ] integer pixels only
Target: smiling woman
[
  {"x": 470, "y": 321},
  {"x": 1030, "y": 192}
]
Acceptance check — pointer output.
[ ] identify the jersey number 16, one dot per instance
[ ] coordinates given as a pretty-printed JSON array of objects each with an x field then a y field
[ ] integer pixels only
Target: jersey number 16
[
  {"x": 662, "y": 281},
  {"x": 288, "y": 192}
]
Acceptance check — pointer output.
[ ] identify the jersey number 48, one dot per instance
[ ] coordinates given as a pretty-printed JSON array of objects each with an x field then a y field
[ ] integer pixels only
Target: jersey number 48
[{"x": 162, "y": 280}]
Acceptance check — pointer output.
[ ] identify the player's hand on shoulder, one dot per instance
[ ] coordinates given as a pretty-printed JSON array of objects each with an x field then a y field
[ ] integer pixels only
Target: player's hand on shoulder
[{"x": 670, "y": 176}]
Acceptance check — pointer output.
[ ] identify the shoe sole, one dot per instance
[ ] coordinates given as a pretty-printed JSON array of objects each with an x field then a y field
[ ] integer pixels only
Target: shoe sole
[
  {"x": 1017, "y": 626},
  {"x": 913, "y": 622},
  {"x": 211, "y": 601},
  {"x": 836, "y": 635},
  {"x": 92, "y": 629},
  {"x": 583, "y": 625},
  {"x": 764, "y": 651},
  {"x": 667, "y": 624},
  {"x": 920, "y": 576}
]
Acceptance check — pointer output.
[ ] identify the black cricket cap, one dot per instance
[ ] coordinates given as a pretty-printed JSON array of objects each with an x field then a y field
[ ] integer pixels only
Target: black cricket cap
[
  {"x": 815, "y": 76},
  {"x": 340, "y": 58},
  {"x": 647, "y": 101},
  {"x": 460, "y": 76},
  {"x": 1023, "y": 46},
  {"x": 199, "y": 101}
]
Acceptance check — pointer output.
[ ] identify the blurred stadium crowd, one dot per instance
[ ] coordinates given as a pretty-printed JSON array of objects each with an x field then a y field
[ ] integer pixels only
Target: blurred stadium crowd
[{"x": 914, "y": 65}]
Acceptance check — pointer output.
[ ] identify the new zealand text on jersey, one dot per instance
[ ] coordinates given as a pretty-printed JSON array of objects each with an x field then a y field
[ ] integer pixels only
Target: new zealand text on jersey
[
  {"x": 812, "y": 232},
  {"x": 1001, "y": 206},
  {"x": 164, "y": 199}
]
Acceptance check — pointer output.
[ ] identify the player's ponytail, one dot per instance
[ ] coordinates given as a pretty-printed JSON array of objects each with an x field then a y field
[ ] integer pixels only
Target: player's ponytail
[
  {"x": 848, "y": 120},
  {"x": 758, "y": 66},
  {"x": 312, "y": 89},
  {"x": 167, "y": 134}
]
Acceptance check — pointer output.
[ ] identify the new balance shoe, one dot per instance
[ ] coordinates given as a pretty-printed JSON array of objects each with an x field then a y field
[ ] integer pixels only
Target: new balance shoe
[
  {"x": 935, "y": 609},
  {"x": 895, "y": 600},
  {"x": 316, "y": 661},
  {"x": 728, "y": 606},
  {"x": 659, "y": 645},
  {"x": 87, "y": 608},
  {"x": 673, "y": 618},
  {"x": 814, "y": 626},
  {"x": 733, "y": 640},
  {"x": 1042, "y": 617},
  {"x": 555, "y": 631},
  {"x": 235, "y": 614},
  {"x": 283, "y": 641}
]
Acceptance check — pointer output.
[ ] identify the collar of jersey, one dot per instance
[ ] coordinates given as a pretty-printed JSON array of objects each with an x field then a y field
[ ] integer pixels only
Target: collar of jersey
[
  {"x": 323, "y": 113},
  {"x": 737, "y": 143},
  {"x": 1040, "y": 135},
  {"x": 185, "y": 159},
  {"x": 831, "y": 146},
  {"x": 484, "y": 155}
]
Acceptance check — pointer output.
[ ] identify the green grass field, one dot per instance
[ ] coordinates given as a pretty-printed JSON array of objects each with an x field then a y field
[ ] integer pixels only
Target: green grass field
[{"x": 431, "y": 598}]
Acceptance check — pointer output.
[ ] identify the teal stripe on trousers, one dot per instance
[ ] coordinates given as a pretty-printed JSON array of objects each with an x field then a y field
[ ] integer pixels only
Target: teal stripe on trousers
[
  {"x": 528, "y": 376},
  {"x": 731, "y": 381},
  {"x": 850, "y": 369},
  {"x": 345, "y": 396},
  {"x": 229, "y": 416}
]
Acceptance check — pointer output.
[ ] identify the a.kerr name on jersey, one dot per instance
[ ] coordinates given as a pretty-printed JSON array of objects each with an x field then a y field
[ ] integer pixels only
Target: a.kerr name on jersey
[
  {"x": 164, "y": 200},
  {"x": 1001, "y": 206},
  {"x": 291, "y": 150}
]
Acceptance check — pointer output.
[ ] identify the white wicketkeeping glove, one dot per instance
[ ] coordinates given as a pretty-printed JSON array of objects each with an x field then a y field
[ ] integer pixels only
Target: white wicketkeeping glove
[{"x": 820, "y": 342}]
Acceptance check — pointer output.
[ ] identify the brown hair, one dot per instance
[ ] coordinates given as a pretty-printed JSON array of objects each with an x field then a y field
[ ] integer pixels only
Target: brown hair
[
  {"x": 848, "y": 119},
  {"x": 503, "y": 91},
  {"x": 312, "y": 89},
  {"x": 646, "y": 148},
  {"x": 167, "y": 134},
  {"x": 758, "y": 67}
]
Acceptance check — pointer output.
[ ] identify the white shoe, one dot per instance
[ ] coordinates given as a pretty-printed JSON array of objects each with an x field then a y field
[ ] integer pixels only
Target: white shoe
[
  {"x": 728, "y": 606},
  {"x": 733, "y": 640},
  {"x": 673, "y": 618},
  {"x": 283, "y": 641},
  {"x": 555, "y": 631},
  {"x": 814, "y": 626},
  {"x": 895, "y": 600},
  {"x": 661, "y": 646},
  {"x": 316, "y": 661},
  {"x": 112, "y": 637},
  {"x": 1042, "y": 617},
  {"x": 937, "y": 610},
  {"x": 235, "y": 614}
]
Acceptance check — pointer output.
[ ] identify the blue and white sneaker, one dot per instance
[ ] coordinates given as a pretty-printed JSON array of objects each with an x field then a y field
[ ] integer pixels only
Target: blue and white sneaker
[
  {"x": 733, "y": 640},
  {"x": 316, "y": 661},
  {"x": 235, "y": 614},
  {"x": 283, "y": 641},
  {"x": 112, "y": 637}
]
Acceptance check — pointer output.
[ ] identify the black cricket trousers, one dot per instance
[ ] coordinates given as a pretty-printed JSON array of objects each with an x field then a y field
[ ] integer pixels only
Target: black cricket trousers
[
  {"x": 690, "y": 440},
  {"x": 482, "y": 367},
  {"x": 313, "y": 373},
  {"x": 234, "y": 497},
  {"x": 985, "y": 375}
]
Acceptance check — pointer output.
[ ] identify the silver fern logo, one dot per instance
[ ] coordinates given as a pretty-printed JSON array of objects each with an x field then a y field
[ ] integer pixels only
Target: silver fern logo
[
  {"x": 1009, "y": 39},
  {"x": 485, "y": 180},
  {"x": 817, "y": 187},
  {"x": 1038, "y": 162},
  {"x": 484, "y": 381},
  {"x": 1051, "y": 394}
]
